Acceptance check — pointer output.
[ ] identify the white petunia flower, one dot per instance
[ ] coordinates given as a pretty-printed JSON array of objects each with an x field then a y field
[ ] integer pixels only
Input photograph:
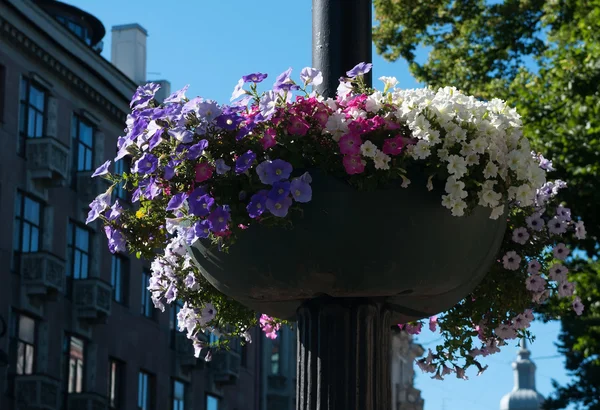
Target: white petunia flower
[{"x": 368, "y": 149}]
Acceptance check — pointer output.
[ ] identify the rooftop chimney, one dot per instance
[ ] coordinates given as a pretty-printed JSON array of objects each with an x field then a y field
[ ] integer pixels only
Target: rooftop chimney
[{"x": 128, "y": 51}]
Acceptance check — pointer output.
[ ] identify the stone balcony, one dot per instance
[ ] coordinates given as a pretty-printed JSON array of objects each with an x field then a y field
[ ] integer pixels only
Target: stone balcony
[
  {"x": 89, "y": 188},
  {"x": 43, "y": 275},
  {"x": 185, "y": 351},
  {"x": 87, "y": 401},
  {"x": 225, "y": 366},
  {"x": 48, "y": 161},
  {"x": 92, "y": 300},
  {"x": 36, "y": 392}
]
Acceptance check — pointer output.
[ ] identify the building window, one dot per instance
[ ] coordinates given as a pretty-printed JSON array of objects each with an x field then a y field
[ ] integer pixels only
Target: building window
[
  {"x": 147, "y": 305},
  {"x": 178, "y": 395},
  {"x": 122, "y": 166},
  {"x": 244, "y": 355},
  {"x": 27, "y": 229},
  {"x": 23, "y": 332},
  {"x": 275, "y": 356},
  {"x": 82, "y": 134},
  {"x": 144, "y": 389},
  {"x": 115, "y": 383},
  {"x": 119, "y": 278},
  {"x": 173, "y": 322},
  {"x": 78, "y": 252},
  {"x": 2, "y": 91},
  {"x": 212, "y": 402},
  {"x": 32, "y": 112},
  {"x": 75, "y": 350}
]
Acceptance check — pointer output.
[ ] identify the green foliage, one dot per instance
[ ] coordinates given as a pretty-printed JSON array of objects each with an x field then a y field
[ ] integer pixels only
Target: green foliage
[{"x": 542, "y": 57}]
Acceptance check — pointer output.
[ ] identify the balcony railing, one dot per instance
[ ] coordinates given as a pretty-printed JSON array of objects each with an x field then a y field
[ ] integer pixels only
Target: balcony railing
[
  {"x": 36, "y": 391},
  {"x": 43, "y": 274},
  {"x": 48, "y": 160},
  {"x": 225, "y": 365},
  {"x": 185, "y": 351},
  {"x": 92, "y": 299},
  {"x": 87, "y": 401}
]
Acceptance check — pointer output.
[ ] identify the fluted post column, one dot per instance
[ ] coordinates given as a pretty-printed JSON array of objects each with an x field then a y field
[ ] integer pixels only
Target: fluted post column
[{"x": 343, "y": 355}]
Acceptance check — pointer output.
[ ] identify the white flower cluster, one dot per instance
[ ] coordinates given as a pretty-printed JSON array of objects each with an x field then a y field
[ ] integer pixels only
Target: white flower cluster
[{"x": 478, "y": 141}]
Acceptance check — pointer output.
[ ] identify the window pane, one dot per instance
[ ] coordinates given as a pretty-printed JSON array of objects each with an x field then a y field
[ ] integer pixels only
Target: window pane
[
  {"x": 20, "y": 358},
  {"x": 31, "y": 122},
  {"x": 88, "y": 160},
  {"x": 32, "y": 211},
  {"x": 22, "y": 118},
  {"x": 82, "y": 239},
  {"x": 80, "y": 157},
  {"x": 26, "y": 329},
  {"x": 74, "y": 127},
  {"x": 36, "y": 98},
  {"x": 29, "y": 354},
  {"x": 26, "y": 238},
  {"x": 70, "y": 234},
  {"x": 112, "y": 389},
  {"x": 212, "y": 403},
  {"x": 85, "y": 134},
  {"x": 35, "y": 239},
  {"x": 77, "y": 265},
  {"x": 23, "y": 90},
  {"x": 39, "y": 125},
  {"x": 84, "y": 266}
]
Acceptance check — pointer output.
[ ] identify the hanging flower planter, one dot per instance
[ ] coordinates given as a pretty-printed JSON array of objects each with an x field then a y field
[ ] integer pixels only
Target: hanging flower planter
[{"x": 427, "y": 200}]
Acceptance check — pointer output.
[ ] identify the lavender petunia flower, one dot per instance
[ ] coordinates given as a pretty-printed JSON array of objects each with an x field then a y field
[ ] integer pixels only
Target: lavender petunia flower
[
  {"x": 98, "y": 205},
  {"x": 243, "y": 162},
  {"x": 311, "y": 76},
  {"x": 221, "y": 167},
  {"x": 200, "y": 203},
  {"x": 156, "y": 139},
  {"x": 359, "y": 69},
  {"x": 102, "y": 169},
  {"x": 218, "y": 219},
  {"x": 143, "y": 95},
  {"x": 196, "y": 150},
  {"x": 268, "y": 104},
  {"x": 284, "y": 82},
  {"x": 176, "y": 201},
  {"x": 182, "y": 135},
  {"x": 258, "y": 204},
  {"x": 152, "y": 189},
  {"x": 279, "y": 208},
  {"x": 238, "y": 91},
  {"x": 177, "y": 96},
  {"x": 208, "y": 110},
  {"x": 254, "y": 77},
  {"x": 202, "y": 229},
  {"x": 280, "y": 190},
  {"x": 300, "y": 189},
  {"x": 270, "y": 172},
  {"x": 170, "y": 169},
  {"x": 116, "y": 240},
  {"x": 115, "y": 211},
  {"x": 146, "y": 164}
]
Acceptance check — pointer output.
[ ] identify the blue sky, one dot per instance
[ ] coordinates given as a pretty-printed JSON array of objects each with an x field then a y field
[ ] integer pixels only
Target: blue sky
[{"x": 210, "y": 45}]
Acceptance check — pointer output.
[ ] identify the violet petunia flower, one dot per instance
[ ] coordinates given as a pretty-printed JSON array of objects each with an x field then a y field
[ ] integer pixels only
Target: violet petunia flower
[
  {"x": 270, "y": 172},
  {"x": 238, "y": 91},
  {"x": 359, "y": 69},
  {"x": 284, "y": 82},
  {"x": 143, "y": 95},
  {"x": 182, "y": 134},
  {"x": 147, "y": 164},
  {"x": 177, "y": 96},
  {"x": 229, "y": 121},
  {"x": 280, "y": 190},
  {"x": 98, "y": 205},
  {"x": 208, "y": 110},
  {"x": 300, "y": 189},
  {"x": 176, "y": 201},
  {"x": 115, "y": 211},
  {"x": 218, "y": 219},
  {"x": 202, "y": 229},
  {"x": 102, "y": 169},
  {"x": 257, "y": 204},
  {"x": 268, "y": 104},
  {"x": 244, "y": 162},
  {"x": 254, "y": 78},
  {"x": 196, "y": 150},
  {"x": 311, "y": 76},
  {"x": 116, "y": 240},
  {"x": 221, "y": 167},
  {"x": 200, "y": 203},
  {"x": 279, "y": 208}
]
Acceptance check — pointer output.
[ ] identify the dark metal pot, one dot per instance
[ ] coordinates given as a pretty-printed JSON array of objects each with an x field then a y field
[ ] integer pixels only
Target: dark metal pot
[{"x": 396, "y": 245}]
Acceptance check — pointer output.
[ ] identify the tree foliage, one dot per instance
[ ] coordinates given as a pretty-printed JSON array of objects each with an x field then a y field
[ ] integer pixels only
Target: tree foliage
[{"x": 543, "y": 57}]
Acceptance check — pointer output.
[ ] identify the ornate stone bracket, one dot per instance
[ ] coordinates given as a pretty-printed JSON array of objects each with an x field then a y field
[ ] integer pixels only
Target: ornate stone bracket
[{"x": 92, "y": 300}]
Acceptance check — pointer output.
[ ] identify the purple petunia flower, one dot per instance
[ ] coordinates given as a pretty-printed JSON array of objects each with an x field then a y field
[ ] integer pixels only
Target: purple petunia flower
[
  {"x": 229, "y": 121},
  {"x": 218, "y": 219},
  {"x": 155, "y": 139},
  {"x": 143, "y": 95},
  {"x": 98, "y": 205},
  {"x": 102, "y": 169},
  {"x": 221, "y": 167},
  {"x": 359, "y": 69},
  {"x": 196, "y": 150},
  {"x": 257, "y": 204},
  {"x": 280, "y": 190},
  {"x": 152, "y": 189},
  {"x": 284, "y": 82},
  {"x": 116, "y": 240},
  {"x": 202, "y": 229},
  {"x": 300, "y": 189},
  {"x": 176, "y": 201},
  {"x": 268, "y": 104},
  {"x": 279, "y": 208},
  {"x": 115, "y": 211},
  {"x": 254, "y": 78},
  {"x": 170, "y": 169},
  {"x": 270, "y": 172},
  {"x": 177, "y": 96},
  {"x": 311, "y": 76},
  {"x": 243, "y": 162},
  {"x": 200, "y": 203},
  {"x": 182, "y": 135},
  {"x": 146, "y": 164}
]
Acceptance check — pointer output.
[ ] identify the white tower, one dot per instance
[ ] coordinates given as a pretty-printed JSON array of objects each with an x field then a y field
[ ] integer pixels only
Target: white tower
[{"x": 523, "y": 396}]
